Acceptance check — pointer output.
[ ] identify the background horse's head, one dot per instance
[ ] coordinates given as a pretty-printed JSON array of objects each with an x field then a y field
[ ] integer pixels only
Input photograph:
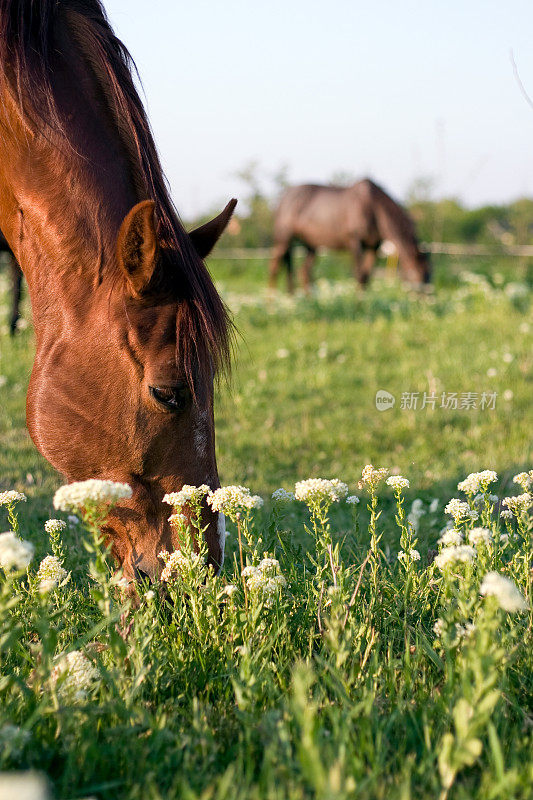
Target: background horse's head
[{"x": 417, "y": 268}]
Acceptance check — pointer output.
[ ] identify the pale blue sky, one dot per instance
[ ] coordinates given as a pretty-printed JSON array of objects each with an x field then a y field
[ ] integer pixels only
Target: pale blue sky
[{"x": 393, "y": 90}]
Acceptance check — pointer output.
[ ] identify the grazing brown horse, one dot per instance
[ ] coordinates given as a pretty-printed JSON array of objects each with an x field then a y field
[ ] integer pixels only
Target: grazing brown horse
[
  {"x": 129, "y": 327},
  {"x": 355, "y": 218}
]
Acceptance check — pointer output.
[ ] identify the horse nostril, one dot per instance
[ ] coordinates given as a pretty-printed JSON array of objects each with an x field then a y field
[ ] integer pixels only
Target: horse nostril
[{"x": 142, "y": 577}]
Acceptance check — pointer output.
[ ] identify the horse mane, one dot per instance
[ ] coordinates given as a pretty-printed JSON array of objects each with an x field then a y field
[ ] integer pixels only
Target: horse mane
[
  {"x": 394, "y": 222},
  {"x": 27, "y": 54}
]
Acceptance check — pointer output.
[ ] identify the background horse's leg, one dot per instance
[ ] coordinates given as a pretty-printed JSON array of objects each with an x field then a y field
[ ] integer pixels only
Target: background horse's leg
[
  {"x": 279, "y": 252},
  {"x": 367, "y": 265},
  {"x": 16, "y": 292},
  {"x": 287, "y": 259},
  {"x": 307, "y": 269},
  {"x": 364, "y": 260}
]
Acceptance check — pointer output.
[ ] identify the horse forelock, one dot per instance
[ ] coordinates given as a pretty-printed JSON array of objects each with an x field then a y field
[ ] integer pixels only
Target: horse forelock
[{"x": 28, "y": 30}]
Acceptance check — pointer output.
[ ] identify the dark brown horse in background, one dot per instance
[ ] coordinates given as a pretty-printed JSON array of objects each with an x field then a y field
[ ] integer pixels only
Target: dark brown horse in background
[
  {"x": 129, "y": 327},
  {"x": 357, "y": 218}
]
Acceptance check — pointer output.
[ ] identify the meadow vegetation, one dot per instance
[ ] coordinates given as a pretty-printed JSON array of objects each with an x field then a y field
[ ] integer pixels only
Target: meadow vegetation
[{"x": 335, "y": 656}]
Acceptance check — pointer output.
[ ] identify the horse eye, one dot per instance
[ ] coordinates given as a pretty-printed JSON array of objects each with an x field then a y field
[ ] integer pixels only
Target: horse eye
[{"x": 173, "y": 398}]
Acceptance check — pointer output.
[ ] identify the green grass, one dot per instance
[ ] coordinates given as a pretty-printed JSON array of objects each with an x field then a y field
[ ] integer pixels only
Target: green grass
[{"x": 209, "y": 699}]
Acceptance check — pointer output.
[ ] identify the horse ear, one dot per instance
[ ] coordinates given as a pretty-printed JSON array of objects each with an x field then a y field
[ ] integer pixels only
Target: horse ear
[
  {"x": 206, "y": 236},
  {"x": 137, "y": 246}
]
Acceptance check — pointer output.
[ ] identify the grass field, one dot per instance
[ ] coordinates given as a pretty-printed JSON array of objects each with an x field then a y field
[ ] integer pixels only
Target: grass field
[{"x": 304, "y": 694}]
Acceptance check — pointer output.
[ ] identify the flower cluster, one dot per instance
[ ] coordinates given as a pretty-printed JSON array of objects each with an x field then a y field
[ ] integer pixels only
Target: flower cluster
[
  {"x": 320, "y": 490},
  {"x": 187, "y": 495},
  {"x": 54, "y": 526},
  {"x": 504, "y": 590},
  {"x": 229, "y": 590},
  {"x": 397, "y": 482},
  {"x": 282, "y": 496},
  {"x": 50, "y": 574},
  {"x": 464, "y": 631},
  {"x": 450, "y": 536},
  {"x": 74, "y": 496},
  {"x": 265, "y": 580},
  {"x": 231, "y": 500},
  {"x": 413, "y": 554},
  {"x": 352, "y": 500},
  {"x": 416, "y": 513},
  {"x": 518, "y": 503},
  {"x": 11, "y": 497},
  {"x": 15, "y": 553},
  {"x": 75, "y": 673},
  {"x": 460, "y": 511},
  {"x": 479, "y": 536},
  {"x": 477, "y": 482},
  {"x": 371, "y": 477},
  {"x": 461, "y": 553},
  {"x": 179, "y": 562},
  {"x": 178, "y": 521},
  {"x": 524, "y": 480}
]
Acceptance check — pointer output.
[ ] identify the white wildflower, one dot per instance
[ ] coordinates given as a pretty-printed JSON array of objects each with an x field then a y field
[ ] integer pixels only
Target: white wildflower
[
  {"x": 11, "y": 497},
  {"x": 122, "y": 583},
  {"x": 282, "y": 496},
  {"x": 75, "y": 673},
  {"x": 149, "y": 595},
  {"x": 178, "y": 562},
  {"x": 416, "y": 513},
  {"x": 464, "y": 631},
  {"x": 372, "y": 477},
  {"x": 479, "y": 536},
  {"x": 506, "y": 513},
  {"x": 397, "y": 482},
  {"x": 73, "y": 496},
  {"x": 477, "y": 481},
  {"x": 504, "y": 590},
  {"x": 187, "y": 494},
  {"x": 178, "y": 520},
  {"x": 433, "y": 506},
  {"x": 524, "y": 480},
  {"x": 439, "y": 627},
  {"x": 518, "y": 503},
  {"x": 229, "y": 590},
  {"x": 414, "y": 555},
  {"x": 231, "y": 500},
  {"x": 268, "y": 564},
  {"x": 15, "y": 553},
  {"x": 352, "y": 500},
  {"x": 265, "y": 580},
  {"x": 460, "y": 511},
  {"x": 450, "y": 537},
  {"x": 320, "y": 490},
  {"x": 462, "y": 553},
  {"x": 54, "y": 526},
  {"x": 249, "y": 571},
  {"x": 51, "y": 574}
]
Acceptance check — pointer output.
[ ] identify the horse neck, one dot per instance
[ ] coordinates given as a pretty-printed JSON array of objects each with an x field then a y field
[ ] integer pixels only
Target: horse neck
[
  {"x": 71, "y": 189},
  {"x": 394, "y": 224}
]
